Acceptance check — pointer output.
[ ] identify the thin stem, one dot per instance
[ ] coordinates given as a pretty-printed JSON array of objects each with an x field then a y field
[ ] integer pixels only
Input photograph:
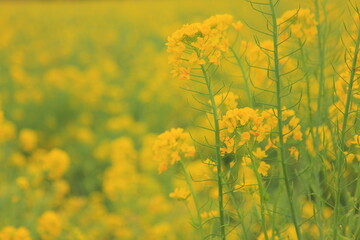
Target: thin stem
[
  {"x": 217, "y": 150},
  {"x": 193, "y": 194},
  {"x": 245, "y": 77},
  {"x": 308, "y": 94},
  {"x": 281, "y": 148},
  {"x": 321, "y": 76},
  {"x": 262, "y": 199},
  {"x": 239, "y": 214},
  {"x": 356, "y": 196},
  {"x": 313, "y": 136},
  {"x": 341, "y": 156}
]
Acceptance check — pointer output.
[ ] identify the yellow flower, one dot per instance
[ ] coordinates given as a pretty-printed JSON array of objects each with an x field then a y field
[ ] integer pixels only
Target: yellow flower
[
  {"x": 263, "y": 168},
  {"x": 237, "y": 117},
  {"x": 170, "y": 147},
  {"x": 350, "y": 157},
  {"x": 289, "y": 233},
  {"x": 230, "y": 146},
  {"x": 11, "y": 233},
  {"x": 8, "y": 130},
  {"x": 210, "y": 214},
  {"x": 294, "y": 122},
  {"x": 259, "y": 153},
  {"x": 297, "y": 134},
  {"x": 308, "y": 210},
  {"x": 22, "y": 182},
  {"x": 271, "y": 143},
  {"x": 245, "y": 137},
  {"x": 49, "y": 225},
  {"x": 56, "y": 162},
  {"x": 286, "y": 113},
  {"x": 294, "y": 152},
  {"x": 194, "y": 59},
  {"x": 180, "y": 194},
  {"x": 28, "y": 140},
  {"x": 182, "y": 73},
  {"x": 229, "y": 100},
  {"x": 269, "y": 234},
  {"x": 199, "y": 43},
  {"x": 302, "y": 23},
  {"x": 246, "y": 161},
  {"x": 238, "y": 26},
  {"x": 355, "y": 140}
]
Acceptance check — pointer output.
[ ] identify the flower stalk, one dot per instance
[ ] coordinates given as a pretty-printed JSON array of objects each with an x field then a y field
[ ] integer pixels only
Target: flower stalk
[
  {"x": 279, "y": 107},
  {"x": 218, "y": 144},
  {"x": 341, "y": 158}
]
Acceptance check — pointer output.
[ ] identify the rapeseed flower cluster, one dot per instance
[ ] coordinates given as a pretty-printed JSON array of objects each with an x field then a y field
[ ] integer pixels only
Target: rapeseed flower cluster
[
  {"x": 196, "y": 44},
  {"x": 171, "y": 146},
  {"x": 302, "y": 23}
]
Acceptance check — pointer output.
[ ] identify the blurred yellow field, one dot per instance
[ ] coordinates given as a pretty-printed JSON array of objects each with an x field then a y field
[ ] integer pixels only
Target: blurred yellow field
[{"x": 171, "y": 120}]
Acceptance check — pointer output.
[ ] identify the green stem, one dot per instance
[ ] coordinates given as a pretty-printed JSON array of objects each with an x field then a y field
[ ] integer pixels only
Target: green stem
[
  {"x": 217, "y": 149},
  {"x": 321, "y": 48},
  {"x": 245, "y": 77},
  {"x": 193, "y": 194},
  {"x": 281, "y": 148},
  {"x": 308, "y": 94},
  {"x": 313, "y": 174},
  {"x": 240, "y": 216},
  {"x": 341, "y": 157},
  {"x": 354, "y": 224},
  {"x": 262, "y": 199}
]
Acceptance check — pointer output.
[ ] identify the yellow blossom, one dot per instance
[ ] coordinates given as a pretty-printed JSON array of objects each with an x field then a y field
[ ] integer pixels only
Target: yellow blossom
[
  {"x": 238, "y": 26},
  {"x": 263, "y": 168},
  {"x": 259, "y": 153},
  {"x": 28, "y": 140},
  {"x": 22, "y": 182},
  {"x": 209, "y": 214},
  {"x": 350, "y": 157},
  {"x": 302, "y": 23},
  {"x": 229, "y": 100},
  {"x": 180, "y": 194},
  {"x": 49, "y": 225},
  {"x": 170, "y": 146},
  {"x": 208, "y": 40},
  {"x": 56, "y": 163},
  {"x": 12, "y": 233},
  {"x": 294, "y": 152},
  {"x": 229, "y": 146}
]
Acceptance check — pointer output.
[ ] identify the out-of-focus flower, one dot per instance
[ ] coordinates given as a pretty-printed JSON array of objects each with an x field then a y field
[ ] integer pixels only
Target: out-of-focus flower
[
  {"x": 180, "y": 194},
  {"x": 49, "y": 225},
  {"x": 56, "y": 162},
  {"x": 28, "y": 140},
  {"x": 171, "y": 146}
]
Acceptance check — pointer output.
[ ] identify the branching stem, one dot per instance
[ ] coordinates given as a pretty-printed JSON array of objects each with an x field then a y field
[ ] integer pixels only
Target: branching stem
[
  {"x": 245, "y": 77},
  {"x": 281, "y": 148},
  {"x": 340, "y": 160},
  {"x": 217, "y": 151},
  {"x": 193, "y": 194},
  {"x": 321, "y": 76}
]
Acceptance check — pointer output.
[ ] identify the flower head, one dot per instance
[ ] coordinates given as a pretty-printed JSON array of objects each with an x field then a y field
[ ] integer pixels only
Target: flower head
[
  {"x": 49, "y": 225},
  {"x": 263, "y": 168},
  {"x": 199, "y": 43},
  {"x": 12, "y": 233},
  {"x": 56, "y": 162},
  {"x": 170, "y": 147},
  {"x": 302, "y": 23}
]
